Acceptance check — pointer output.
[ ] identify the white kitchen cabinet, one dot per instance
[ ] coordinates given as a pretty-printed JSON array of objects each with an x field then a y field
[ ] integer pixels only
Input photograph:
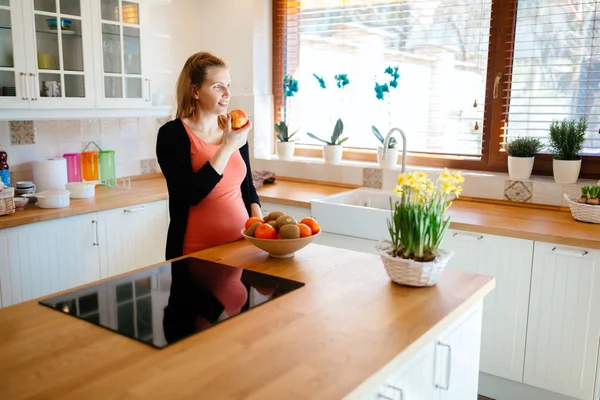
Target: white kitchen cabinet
[
  {"x": 347, "y": 242},
  {"x": 96, "y": 63},
  {"x": 119, "y": 38},
  {"x": 47, "y": 257},
  {"x": 132, "y": 237},
  {"x": 564, "y": 320},
  {"x": 505, "y": 309},
  {"x": 52, "y": 68},
  {"x": 444, "y": 369}
]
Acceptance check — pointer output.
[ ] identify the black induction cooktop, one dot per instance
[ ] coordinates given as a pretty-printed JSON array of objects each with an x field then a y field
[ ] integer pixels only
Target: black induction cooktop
[{"x": 164, "y": 304}]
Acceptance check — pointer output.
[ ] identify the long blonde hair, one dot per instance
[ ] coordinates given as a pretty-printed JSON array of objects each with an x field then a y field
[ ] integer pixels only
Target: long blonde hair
[{"x": 193, "y": 76}]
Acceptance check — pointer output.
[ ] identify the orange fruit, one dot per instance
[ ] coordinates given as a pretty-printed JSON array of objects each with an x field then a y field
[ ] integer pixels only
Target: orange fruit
[
  {"x": 312, "y": 224},
  {"x": 265, "y": 231},
  {"x": 252, "y": 220},
  {"x": 304, "y": 230}
]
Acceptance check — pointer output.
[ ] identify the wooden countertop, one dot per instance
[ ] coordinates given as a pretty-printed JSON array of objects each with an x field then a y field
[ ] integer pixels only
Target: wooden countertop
[
  {"x": 318, "y": 342},
  {"x": 523, "y": 222},
  {"x": 290, "y": 193}
]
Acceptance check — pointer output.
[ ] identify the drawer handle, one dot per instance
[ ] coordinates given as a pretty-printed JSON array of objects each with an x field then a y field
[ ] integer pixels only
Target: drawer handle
[
  {"x": 135, "y": 209},
  {"x": 383, "y": 396},
  {"x": 571, "y": 253},
  {"x": 470, "y": 235},
  {"x": 449, "y": 369},
  {"x": 400, "y": 391},
  {"x": 24, "y": 86},
  {"x": 96, "y": 243}
]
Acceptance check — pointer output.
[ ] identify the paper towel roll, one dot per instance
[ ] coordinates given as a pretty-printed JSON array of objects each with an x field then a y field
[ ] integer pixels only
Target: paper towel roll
[{"x": 50, "y": 174}]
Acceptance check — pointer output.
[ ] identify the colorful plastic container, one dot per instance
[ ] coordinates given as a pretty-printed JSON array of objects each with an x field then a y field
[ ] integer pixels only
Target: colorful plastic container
[
  {"x": 107, "y": 167},
  {"x": 89, "y": 165},
  {"x": 73, "y": 167}
]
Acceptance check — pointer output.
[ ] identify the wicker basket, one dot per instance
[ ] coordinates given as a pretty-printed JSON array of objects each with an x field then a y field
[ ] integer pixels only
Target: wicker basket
[
  {"x": 7, "y": 201},
  {"x": 409, "y": 272},
  {"x": 583, "y": 212}
]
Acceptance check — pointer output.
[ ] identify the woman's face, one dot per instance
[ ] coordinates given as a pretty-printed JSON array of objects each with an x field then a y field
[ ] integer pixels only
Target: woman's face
[{"x": 213, "y": 96}]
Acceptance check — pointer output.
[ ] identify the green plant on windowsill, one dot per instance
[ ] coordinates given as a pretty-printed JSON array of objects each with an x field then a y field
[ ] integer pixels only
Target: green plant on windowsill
[
  {"x": 392, "y": 143},
  {"x": 524, "y": 147},
  {"x": 336, "y": 139},
  {"x": 566, "y": 138},
  {"x": 283, "y": 134}
]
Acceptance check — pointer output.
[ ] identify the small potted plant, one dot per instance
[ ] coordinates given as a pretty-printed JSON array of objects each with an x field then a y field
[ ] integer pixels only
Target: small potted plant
[
  {"x": 285, "y": 145},
  {"x": 566, "y": 141},
  {"x": 521, "y": 154},
  {"x": 417, "y": 226},
  {"x": 392, "y": 152},
  {"x": 333, "y": 149},
  {"x": 587, "y": 207}
]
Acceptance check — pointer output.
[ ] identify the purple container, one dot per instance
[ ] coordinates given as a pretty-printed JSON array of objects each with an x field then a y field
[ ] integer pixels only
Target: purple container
[{"x": 73, "y": 167}]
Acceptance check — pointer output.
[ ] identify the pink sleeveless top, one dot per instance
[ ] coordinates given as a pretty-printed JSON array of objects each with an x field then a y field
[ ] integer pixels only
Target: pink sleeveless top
[{"x": 221, "y": 215}]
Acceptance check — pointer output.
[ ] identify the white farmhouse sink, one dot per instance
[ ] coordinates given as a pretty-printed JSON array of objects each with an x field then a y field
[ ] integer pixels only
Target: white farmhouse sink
[{"x": 361, "y": 213}]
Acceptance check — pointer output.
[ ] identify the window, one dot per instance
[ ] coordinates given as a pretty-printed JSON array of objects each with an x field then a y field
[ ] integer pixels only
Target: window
[{"x": 472, "y": 73}]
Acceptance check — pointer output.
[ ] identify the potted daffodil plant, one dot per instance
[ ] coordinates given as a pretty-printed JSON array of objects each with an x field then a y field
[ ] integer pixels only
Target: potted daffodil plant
[{"x": 417, "y": 226}]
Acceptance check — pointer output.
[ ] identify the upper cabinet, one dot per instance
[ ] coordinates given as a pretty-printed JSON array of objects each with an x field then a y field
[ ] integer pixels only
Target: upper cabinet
[
  {"x": 118, "y": 28},
  {"x": 73, "y": 54}
]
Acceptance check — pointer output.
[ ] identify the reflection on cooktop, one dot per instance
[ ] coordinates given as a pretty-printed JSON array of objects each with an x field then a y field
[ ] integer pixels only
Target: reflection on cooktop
[{"x": 162, "y": 305}]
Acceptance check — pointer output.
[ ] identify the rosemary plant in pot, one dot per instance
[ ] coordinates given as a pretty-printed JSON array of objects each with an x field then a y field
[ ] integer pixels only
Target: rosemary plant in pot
[
  {"x": 285, "y": 145},
  {"x": 333, "y": 150},
  {"x": 566, "y": 141},
  {"x": 521, "y": 154},
  {"x": 392, "y": 152},
  {"x": 417, "y": 226}
]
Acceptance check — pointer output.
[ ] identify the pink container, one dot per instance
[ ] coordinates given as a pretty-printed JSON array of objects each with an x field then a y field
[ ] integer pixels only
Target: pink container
[{"x": 73, "y": 167}]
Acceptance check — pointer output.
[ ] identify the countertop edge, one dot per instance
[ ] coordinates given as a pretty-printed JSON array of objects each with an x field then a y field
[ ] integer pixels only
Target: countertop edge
[{"x": 375, "y": 380}]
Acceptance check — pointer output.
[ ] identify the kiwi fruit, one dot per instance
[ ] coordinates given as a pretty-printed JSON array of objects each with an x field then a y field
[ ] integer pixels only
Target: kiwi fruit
[
  {"x": 250, "y": 231},
  {"x": 289, "y": 231},
  {"x": 284, "y": 220},
  {"x": 273, "y": 216},
  {"x": 273, "y": 224}
]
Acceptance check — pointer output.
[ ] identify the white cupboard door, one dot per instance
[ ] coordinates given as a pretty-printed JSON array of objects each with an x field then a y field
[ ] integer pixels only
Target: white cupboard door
[
  {"x": 564, "y": 320},
  {"x": 13, "y": 69},
  {"x": 505, "y": 308},
  {"x": 118, "y": 54},
  {"x": 415, "y": 380},
  {"x": 457, "y": 360},
  {"x": 50, "y": 256},
  {"x": 60, "y": 71},
  {"x": 5, "y": 289},
  {"x": 132, "y": 237}
]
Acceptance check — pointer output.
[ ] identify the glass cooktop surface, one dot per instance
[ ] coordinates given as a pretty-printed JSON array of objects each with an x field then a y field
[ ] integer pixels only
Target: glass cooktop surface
[{"x": 164, "y": 304}]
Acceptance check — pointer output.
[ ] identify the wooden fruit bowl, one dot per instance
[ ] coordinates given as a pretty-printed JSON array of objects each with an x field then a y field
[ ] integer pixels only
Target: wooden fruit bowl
[{"x": 280, "y": 248}]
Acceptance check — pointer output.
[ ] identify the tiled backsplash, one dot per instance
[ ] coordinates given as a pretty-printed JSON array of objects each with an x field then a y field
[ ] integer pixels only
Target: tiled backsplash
[{"x": 132, "y": 139}]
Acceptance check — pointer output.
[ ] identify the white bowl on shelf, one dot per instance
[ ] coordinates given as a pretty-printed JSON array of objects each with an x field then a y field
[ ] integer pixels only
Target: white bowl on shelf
[{"x": 53, "y": 199}]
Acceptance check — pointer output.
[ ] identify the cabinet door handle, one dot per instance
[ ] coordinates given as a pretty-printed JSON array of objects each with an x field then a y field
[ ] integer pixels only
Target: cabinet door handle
[
  {"x": 35, "y": 86},
  {"x": 400, "y": 391},
  {"x": 149, "y": 98},
  {"x": 383, "y": 396},
  {"x": 24, "y": 86},
  {"x": 95, "y": 243},
  {"x": 448, "y": 369},
  {"x": 468, "y": 234},
  {"x": 135, "y": 209},
  {"x": 571, "y": 253}
]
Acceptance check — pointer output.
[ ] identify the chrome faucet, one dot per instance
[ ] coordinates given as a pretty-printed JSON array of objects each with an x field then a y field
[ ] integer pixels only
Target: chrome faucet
[{"x": 387, "y": 141}]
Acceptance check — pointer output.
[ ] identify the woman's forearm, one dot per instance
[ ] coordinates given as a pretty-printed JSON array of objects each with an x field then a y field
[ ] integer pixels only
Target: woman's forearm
[
  {"x": 220, "y": 159},
  {"x": 256, "y": 210}
]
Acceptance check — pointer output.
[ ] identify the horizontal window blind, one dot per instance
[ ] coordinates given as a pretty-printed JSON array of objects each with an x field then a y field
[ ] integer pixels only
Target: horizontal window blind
[
  {"x": 556, "y": 69},
  {"x": 440, "y": 49}
]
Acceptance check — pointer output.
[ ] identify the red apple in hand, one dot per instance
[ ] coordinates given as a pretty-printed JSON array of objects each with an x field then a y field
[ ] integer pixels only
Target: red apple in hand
[{"x": 239, "y": 119}]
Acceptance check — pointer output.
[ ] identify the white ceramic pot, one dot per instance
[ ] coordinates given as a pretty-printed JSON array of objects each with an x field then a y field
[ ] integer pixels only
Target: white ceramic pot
[
  {"x": 566, "y": 171},
  {"x": 333, "y": 153},
  {"x": 519, "y": 168},
  {"x": 285, "y": 150},
  {"x": 81, "y": 190},
  {"x": 53, "y": 199},
  {"x": 391, "y": 158}
]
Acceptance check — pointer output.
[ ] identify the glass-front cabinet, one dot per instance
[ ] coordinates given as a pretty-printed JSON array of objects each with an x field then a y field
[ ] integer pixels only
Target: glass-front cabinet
[
  {"x": 119, "y": 30},
  {"x": 62, "y": 54}
]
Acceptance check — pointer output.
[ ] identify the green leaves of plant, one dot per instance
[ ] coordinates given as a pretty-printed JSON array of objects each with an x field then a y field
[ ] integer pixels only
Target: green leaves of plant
[
  {"x": 567, "y": 137},
  {"x": 335, "y": 136}
]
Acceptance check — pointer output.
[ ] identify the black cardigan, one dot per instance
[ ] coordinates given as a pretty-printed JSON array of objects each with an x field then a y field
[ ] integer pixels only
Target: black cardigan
[{"x": 186, "y": 187}]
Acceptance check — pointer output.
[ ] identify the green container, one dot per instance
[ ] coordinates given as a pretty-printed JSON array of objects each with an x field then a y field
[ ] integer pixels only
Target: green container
[{"x": 107, "y": 167}]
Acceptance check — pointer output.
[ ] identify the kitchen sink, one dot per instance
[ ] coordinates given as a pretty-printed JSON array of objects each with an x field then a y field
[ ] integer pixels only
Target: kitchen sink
[{"x": 361, "y": 213}]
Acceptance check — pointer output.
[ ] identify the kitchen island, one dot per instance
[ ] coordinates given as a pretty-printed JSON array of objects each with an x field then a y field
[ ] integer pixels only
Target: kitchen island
[{"x": 346, "y": 333}]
